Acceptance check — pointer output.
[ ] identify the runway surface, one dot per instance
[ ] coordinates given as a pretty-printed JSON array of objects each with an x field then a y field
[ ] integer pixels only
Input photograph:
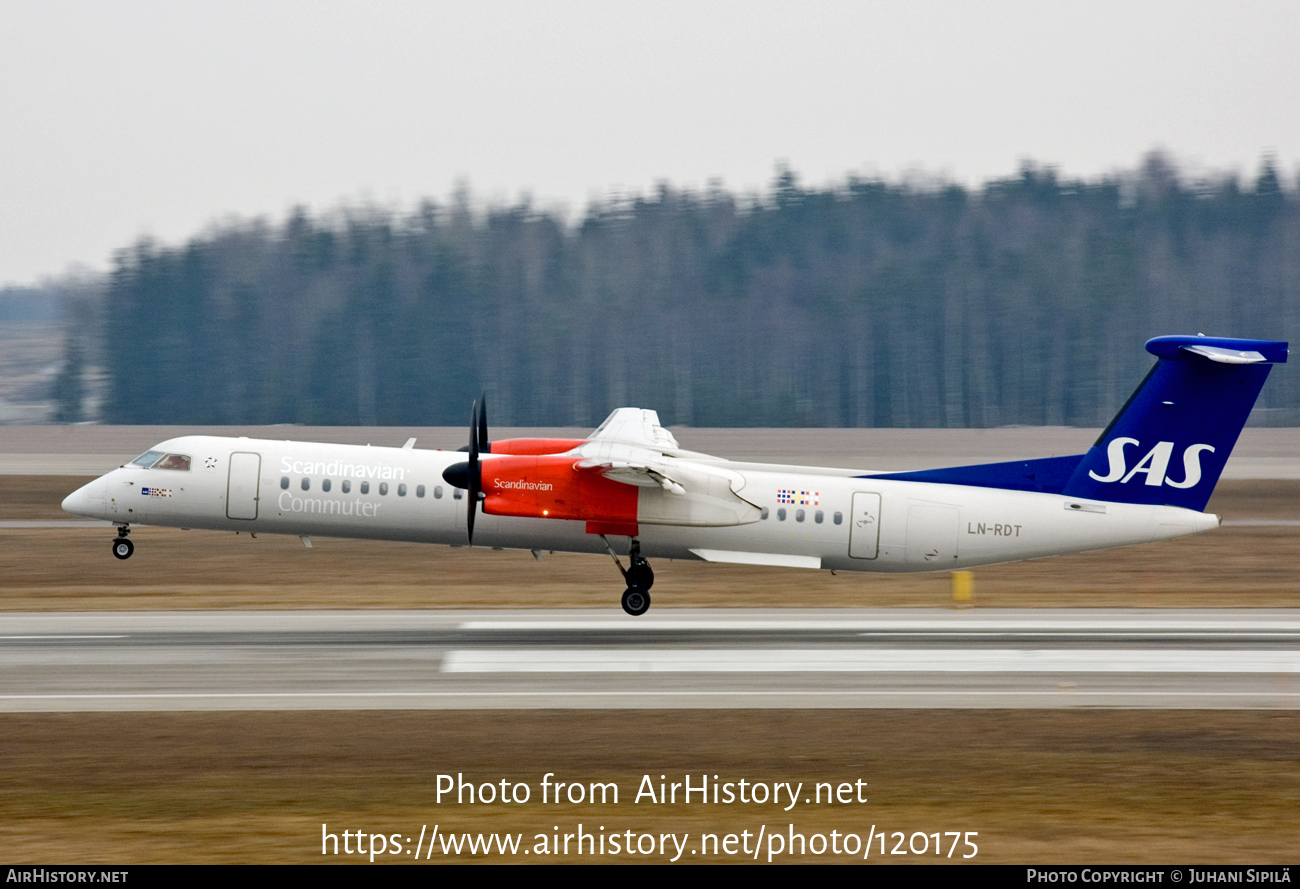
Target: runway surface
[{"x": 858, "y": 658}]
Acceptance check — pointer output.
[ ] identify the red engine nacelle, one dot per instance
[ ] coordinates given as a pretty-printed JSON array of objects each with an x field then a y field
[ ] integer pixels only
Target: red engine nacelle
[
  {"x": 535, "y": 446},
  {"x": 549, "y": 487}
]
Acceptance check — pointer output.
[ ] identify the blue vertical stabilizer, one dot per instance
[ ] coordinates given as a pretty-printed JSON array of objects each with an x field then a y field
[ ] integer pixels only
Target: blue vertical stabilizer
[{"x": 1169, "y": 443}]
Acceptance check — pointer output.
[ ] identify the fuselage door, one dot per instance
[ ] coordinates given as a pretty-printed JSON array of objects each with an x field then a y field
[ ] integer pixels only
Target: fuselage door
[
  {"x": 864, "y": 526},
  {"x": 242, "y": 485}
]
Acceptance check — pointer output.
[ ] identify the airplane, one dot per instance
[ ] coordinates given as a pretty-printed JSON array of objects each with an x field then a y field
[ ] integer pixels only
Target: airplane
[{"x": 631, "y": 491}]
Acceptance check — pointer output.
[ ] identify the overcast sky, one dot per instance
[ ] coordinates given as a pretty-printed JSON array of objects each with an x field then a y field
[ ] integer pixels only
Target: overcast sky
[{"x": 121, "y": 119}]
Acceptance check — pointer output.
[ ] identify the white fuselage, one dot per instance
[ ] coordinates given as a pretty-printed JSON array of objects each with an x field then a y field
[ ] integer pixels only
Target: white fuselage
[{"x": 814, "y": 518}]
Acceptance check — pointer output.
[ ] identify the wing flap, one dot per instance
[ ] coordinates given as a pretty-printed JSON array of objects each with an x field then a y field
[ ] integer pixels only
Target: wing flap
[
  {"x": 776, "y": 560},
  {"x": 639, "y": 474}
]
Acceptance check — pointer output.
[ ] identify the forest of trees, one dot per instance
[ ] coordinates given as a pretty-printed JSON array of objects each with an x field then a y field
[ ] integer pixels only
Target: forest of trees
[{"x": 1023, "y": 302}]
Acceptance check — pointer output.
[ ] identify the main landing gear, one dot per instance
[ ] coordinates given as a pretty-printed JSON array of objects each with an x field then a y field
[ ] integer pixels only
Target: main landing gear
[
  {"x": 639, "y": 577},
  {"x": 122, "y": 547}
]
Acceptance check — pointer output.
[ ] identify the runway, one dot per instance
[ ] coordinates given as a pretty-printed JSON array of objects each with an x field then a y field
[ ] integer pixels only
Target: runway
[{"x": 601, "y": 659}]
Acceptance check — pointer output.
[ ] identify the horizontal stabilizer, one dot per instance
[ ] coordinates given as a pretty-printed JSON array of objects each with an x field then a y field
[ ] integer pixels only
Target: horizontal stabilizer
[
  {"x": 1220, "y": 349},
  {"x": 1226, "y": 356}
]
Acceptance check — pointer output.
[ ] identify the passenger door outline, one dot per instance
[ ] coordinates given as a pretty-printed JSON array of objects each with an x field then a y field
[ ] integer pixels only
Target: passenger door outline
[
  {"x": 243, "y": 485},
  {"x": 864, "y": 526}
]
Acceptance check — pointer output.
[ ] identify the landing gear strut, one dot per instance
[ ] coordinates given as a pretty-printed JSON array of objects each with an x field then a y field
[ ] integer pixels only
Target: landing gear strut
[
  {"x": 639, "y": 577},
  {"x": 122, "y": 547}
]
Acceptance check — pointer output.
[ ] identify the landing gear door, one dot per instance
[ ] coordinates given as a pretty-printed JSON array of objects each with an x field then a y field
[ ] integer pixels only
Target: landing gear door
[
  {"x": 864, "y": 526},
  {"x": 242, "y": 486}
]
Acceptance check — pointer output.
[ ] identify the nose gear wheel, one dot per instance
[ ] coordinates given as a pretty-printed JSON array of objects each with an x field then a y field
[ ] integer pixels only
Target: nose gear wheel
[{"x": 636, "y": 601}]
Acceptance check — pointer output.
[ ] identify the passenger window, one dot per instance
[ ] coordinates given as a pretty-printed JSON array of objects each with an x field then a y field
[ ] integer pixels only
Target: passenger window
[
  {"x": 818, "y": 516},
  {"x": 437, "y": 492},
  {"x": 174, "y": 461},
  {"x": 325, "y": 486},
  {"x": 401, "y": 490},
  {"x": 764, "y": 516},
  {"x": 780, "y": 514},
  {"x": 306, "y": 484},
  {"x": 419, "y": 490},
  {"x": 147, "y": 459},
  {"x": 347, "y": 486},
  {"x": 839, "y": 517},
  {"x": 455, "y": 495},
  {"x": 284, "y": 483},
  {"x": 383, "y": 488},
  {"x": 365, "y": 487},
  {"x": 798, "y": 515}
]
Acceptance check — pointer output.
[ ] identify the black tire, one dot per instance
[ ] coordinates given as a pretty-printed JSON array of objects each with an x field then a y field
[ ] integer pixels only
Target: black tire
[
  {"x": 636, "y": 601},
  {"x": 122, "y": 548},
  {"x": 639, "y": 575}
]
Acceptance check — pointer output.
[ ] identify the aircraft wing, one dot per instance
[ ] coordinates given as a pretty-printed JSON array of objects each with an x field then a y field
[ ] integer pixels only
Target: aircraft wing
[
  {"x": 633, "y": 449},
  {"x": 636, "y": 427}
]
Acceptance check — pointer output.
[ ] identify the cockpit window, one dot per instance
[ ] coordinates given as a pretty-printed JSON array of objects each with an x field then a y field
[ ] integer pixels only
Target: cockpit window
[
  {"x": 147, "y": 459},
  {"x": 159, "y": 460}
]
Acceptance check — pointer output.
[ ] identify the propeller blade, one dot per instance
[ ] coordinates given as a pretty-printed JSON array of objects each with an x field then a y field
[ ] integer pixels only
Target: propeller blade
[
  {"x": 473, "y": 510},
  {"x": 475, "y": 478},
  {"x": 473, "y": 435},
  {"x": 483, "y": 444},
  {"x": 468, "y": 476}
]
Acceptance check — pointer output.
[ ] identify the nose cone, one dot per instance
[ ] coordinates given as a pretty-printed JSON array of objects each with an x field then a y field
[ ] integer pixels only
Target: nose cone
[{"x": 88, "y": 500}]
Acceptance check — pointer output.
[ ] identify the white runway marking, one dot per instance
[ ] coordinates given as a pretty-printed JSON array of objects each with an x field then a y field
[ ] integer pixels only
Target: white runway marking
[
  {"x": 968, "y": 623},
  {"x": 921, "y": 660},
  {"x": 44, "y": 638},
  {"x": 1091, "y": 635}
]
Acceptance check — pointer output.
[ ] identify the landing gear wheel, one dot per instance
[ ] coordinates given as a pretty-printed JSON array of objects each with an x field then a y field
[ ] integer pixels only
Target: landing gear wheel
[
  {"x": 636, "y": 601},
  {"x": 640, "y": 575},
  {"x": 122, "y": 548}
]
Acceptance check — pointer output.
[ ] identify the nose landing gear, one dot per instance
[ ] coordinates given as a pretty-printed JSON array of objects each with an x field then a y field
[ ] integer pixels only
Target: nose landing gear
[
  {"x": 639, "y": 577},
  {"x": 122, "y": 547}
]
